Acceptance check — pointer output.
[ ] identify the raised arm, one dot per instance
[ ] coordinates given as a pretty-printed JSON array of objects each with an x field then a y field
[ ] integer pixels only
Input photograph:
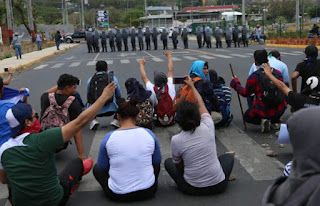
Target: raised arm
[
  {"x": 197, "y": 96},
  {"x": 52, "y": 89},
  {"x": 144, "y": 77},
  {"x": 170, "y": 65},
  {"x": 277, "y": 82},
  {"x": 70, "y": 129},
  {"x": 9, "y": 77}
]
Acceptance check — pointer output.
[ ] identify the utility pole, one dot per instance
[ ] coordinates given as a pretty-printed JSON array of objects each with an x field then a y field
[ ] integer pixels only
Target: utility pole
[
  {"x": 9, "y": 19},
  {"x": 82, "y": 15},
  {"x": 297, "y": 15},
  {"x": 63, "y": 12},
  {"x": 243, "y": 12},
  {"x": 66, "y": 11},
  {"x": 30, "y": 19},
  {"x": 145, "y": 8}
]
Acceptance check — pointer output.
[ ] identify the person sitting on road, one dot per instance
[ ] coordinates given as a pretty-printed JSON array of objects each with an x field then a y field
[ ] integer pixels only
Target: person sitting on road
[
  {"x": 62, "y": 94},
  {"x": 163, "y": 91},
  {"x": 274, "y": 59},
  {"x": 129, "y": 159},
  {"x": 95, "y": 87},
  {"x": 301, "y": 187},
  {"x": 137, "y": 91},
  {"x": 307, "y": 68},
  {"x": 269, "y": 103},
  {"x": 194, "y": 165},
  {"x": 309, "y": 97},
  {"x": 224, "y": 95},
  {"x": 27, "y": 160}
]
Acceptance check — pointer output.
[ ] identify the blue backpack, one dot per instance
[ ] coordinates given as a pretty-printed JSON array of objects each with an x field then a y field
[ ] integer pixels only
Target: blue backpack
[{"x": 223, "y": 93}]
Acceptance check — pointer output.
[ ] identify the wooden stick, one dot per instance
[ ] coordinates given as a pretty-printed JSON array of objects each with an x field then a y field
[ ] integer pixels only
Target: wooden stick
[{"x": 245, "y": 125}]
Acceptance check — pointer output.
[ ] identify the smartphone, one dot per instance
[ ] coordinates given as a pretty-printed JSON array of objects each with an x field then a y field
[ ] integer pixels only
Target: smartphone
[
  {"x": 179, "y": 80},
  {"x": 110, "y": 76},
  {"x": 6, "y": 69},
  {"x": 79, "y": 82}
]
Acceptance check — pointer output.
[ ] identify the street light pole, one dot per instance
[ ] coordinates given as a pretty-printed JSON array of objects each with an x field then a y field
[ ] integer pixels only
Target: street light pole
[
  {"x": 243, "y": 12},
  {"x": 297, "y": 15},
  {"x": 30, "y": 19},
  {"x": 9, "y": 19},
  {"x": 82, "y": 15}
]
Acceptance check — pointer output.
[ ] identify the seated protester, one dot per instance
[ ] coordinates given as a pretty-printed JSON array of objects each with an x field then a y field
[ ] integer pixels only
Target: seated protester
[
  {"x": 163, "y": 92},
  {"x": 307, "y": 68},
  {"x": 27, "y": 160},
  {"x": 301, "y": 187},
  {"x": 70, "y": 108},
  {"x": 310, "y": 96},
  {"x": 269, "y": 103},
  {"x": 274, "y": 59},
  {"x": 194, "y": 165},
  {"x": 223, "y": 93},
  {"x": 137, "y": 91},
  {"x": 129, "y": 159},
  {"x": 199, "y": 73},
  {"x": 9, "y": 77},
  {"x": 94, "y": 90}
]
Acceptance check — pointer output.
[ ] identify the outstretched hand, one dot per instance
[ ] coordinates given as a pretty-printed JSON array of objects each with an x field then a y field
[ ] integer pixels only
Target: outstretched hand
[
  {"x": 108, "y": 91},
  {"x": 189, "y": 81},
  {"x": 142, "y": 61},
  {"x": 168, "y": 53}
]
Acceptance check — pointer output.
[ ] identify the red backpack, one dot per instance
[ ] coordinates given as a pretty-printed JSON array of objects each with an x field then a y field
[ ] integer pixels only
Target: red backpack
[{"x": 164, "y": 109}]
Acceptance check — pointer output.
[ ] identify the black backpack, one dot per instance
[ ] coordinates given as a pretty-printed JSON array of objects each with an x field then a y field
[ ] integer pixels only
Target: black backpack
[
  {"x": 96, "y": 86},
  {"x": 272, "y": 97},
  {"x": 205, "y": 89}
]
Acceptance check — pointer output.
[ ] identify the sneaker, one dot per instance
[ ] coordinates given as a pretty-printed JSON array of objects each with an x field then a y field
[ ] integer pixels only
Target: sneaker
[
  {"x": 115, "y": 123},
  {"x": 265, "y": 125},
  {"x": 87, "y": 166},
  {"x": 94, "y": 124},
  {"x": 275, "y": 126}
]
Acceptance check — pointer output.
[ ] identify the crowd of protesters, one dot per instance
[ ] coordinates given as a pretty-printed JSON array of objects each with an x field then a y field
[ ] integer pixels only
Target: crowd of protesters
[{"x": 129, "y": 158}]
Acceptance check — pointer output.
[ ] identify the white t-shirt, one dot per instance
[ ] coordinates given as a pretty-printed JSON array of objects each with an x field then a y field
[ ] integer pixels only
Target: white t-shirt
[
  {"x": 198, "y": 152},
  {"x": 153, "y": 97},
  {"x": 129, "y": 155}
]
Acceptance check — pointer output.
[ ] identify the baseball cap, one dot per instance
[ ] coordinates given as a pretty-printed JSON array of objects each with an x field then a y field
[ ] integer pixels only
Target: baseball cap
[{"x": 16, "y": 117}]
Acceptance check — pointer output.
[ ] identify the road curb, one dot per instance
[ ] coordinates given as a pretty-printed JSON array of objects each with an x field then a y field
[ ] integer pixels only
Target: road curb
[
  {"x": 25, "y": 66},
  {"x": 289, "y": 46}
]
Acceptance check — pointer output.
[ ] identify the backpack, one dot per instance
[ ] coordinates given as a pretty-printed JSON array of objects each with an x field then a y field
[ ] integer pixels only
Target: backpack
[
  {"x": 96, "y": 86},
  {"x": 272, "y": 97},
  {"x": 56, "y": 115},
  {"x": 145, "y": 116},
  {"x": 224, "y": 102},
  {"x": 184, "y": 93},
  {"x": 164, "y": 109},
  {"x": 205, "y": 89}
]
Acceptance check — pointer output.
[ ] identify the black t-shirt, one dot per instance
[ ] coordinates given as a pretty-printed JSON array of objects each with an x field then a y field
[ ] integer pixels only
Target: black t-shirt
[
  {"x": 74, "y": 110},
  {"x": 296, "y": 100},
  {"x": 305, "y": 73}
]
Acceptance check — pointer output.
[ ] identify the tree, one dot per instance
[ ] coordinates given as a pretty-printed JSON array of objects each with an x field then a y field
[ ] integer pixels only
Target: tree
[
  {"x": 48, "y": 15},
  {"x": 2, "y": 13},
  {"x": 133, "y": 16}
]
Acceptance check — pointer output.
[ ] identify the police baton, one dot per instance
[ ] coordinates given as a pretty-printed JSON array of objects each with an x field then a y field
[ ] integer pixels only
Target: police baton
[{"x": 245, "y": 125}]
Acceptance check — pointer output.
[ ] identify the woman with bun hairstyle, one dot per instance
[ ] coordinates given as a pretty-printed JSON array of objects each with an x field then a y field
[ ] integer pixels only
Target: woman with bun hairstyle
[
  {"x": 195, "y": 166},
  {"x": 129, "y": 158}
]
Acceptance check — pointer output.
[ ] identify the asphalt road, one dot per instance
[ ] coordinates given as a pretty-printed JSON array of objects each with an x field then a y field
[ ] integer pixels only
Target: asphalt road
[{"x": 254, "y": 171}]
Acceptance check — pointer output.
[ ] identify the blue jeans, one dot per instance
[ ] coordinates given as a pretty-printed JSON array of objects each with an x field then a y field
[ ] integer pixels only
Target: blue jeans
[
  {"x": 17, "y": 48},
  {"x": 39, "y": 45},
  {"x": 58, "y": 44}
]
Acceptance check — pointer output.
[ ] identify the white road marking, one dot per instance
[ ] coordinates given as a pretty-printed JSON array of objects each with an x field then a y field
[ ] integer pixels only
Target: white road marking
[
  {"x": 41, "y": 66},
  {"x": 91, "y": 63},
  {"x": 222, "y": 56},
  {"x": 190, "y": 57},
  {"x": 157, "y": 59},
  {"x": 96, "y": 57},
  {"x": 250, "y": 154},
  {"x": 239, "y": 55},
  {"x": 75, "y": 64},
  {"x": 59, "y": 65},
  {"x": 109, "y": 62},
  {"x": 149, "y": 54},
  {"x": 292, "y": 54},
  {"x": 124, "y": 61},
  {"x": 175, "y": 59},
  {"x": 206, "y": 57}
]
